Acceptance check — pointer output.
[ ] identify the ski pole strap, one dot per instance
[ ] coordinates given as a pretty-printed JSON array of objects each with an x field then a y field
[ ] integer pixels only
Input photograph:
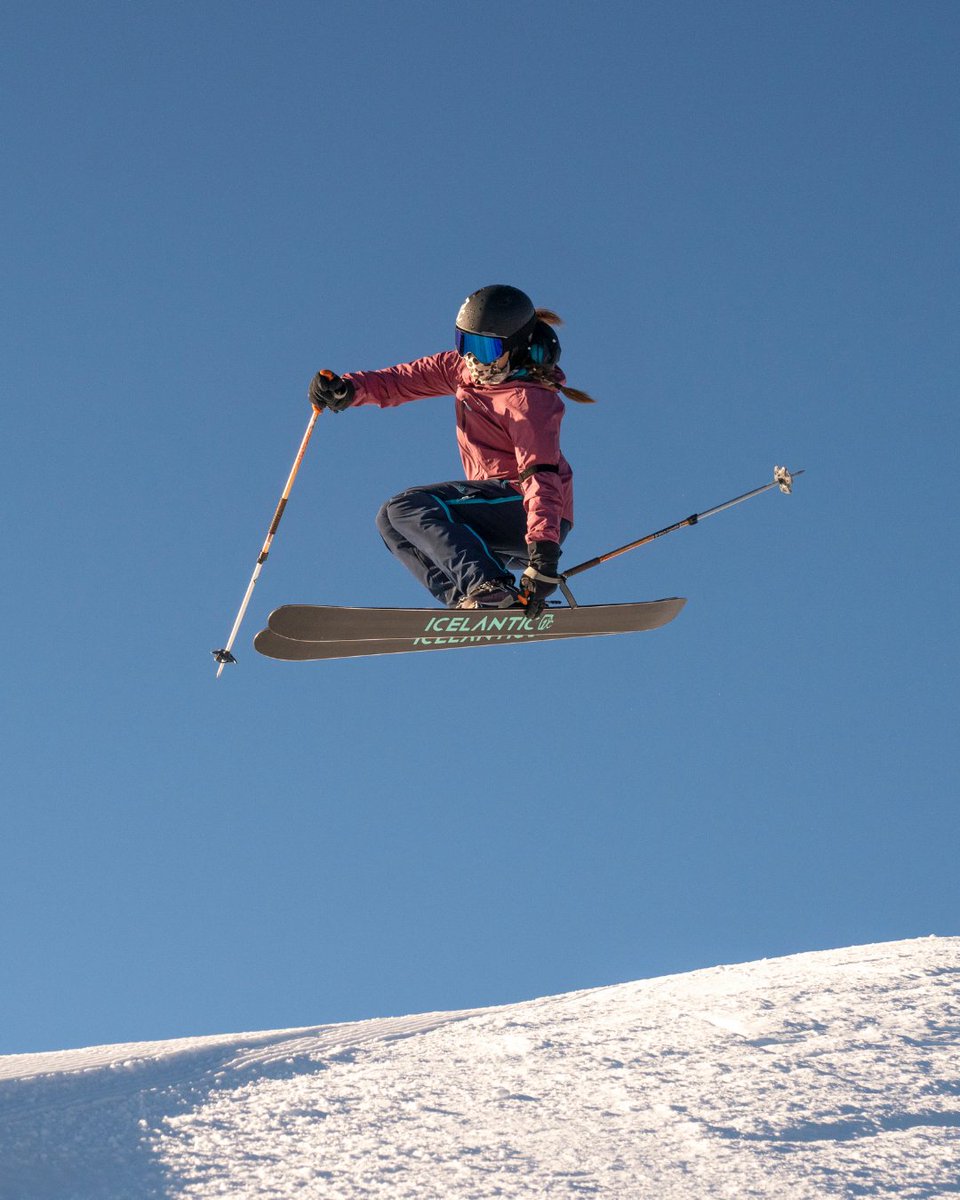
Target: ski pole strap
[
  {"x": 536, "y": 468},
  {"x": 533, "y": 573}
]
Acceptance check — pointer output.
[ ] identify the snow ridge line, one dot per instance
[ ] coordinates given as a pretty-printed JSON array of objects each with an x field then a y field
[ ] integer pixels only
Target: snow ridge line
[{"x": 65, "y": 1062}]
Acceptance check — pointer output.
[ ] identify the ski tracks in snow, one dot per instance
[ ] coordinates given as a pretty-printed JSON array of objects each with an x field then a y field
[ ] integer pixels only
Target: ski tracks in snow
[{"x": 82, "y": 1124}]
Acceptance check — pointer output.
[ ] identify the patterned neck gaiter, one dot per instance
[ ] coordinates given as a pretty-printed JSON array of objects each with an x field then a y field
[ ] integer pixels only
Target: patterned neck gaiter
[{"x": 487, "y": 375}]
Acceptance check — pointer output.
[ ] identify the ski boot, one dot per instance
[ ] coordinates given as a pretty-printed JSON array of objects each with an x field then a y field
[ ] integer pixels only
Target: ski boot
[{"x": 492, "y": 595}]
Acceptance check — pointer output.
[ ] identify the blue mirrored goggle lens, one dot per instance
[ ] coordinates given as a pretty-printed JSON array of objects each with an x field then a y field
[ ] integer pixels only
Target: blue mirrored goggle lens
[{"x": 484, "y": 349}]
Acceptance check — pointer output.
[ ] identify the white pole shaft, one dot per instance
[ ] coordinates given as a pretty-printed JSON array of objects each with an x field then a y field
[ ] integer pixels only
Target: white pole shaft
[{"x": 240, "y": 615}]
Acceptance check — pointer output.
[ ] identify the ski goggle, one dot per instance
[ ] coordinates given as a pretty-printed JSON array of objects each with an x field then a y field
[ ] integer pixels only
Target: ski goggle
[{"x": 484, "y": 349}]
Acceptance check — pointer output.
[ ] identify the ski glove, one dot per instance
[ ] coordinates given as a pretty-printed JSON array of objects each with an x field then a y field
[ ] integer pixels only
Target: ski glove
[
  {"x": 330, "y": 391},
  {"x": 541, "y": 577}
]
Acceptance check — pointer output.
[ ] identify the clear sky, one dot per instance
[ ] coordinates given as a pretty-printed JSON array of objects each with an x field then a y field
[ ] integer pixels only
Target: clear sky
[{"x": 748, "y": 215}]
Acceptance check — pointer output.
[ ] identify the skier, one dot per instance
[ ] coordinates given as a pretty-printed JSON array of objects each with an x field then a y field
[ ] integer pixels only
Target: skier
[{"x": 461, "y": 538}]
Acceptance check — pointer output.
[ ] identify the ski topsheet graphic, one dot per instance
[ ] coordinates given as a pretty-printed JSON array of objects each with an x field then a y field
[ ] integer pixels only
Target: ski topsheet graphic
[{"x": 301, "y": 631}]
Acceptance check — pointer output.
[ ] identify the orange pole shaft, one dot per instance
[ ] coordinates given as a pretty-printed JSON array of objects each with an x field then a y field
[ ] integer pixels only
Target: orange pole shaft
[{"x": 224, "y": 656}]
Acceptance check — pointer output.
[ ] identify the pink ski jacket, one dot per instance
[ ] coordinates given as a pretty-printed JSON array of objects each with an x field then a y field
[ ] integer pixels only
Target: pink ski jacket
[{"x": 502, "y": 430}]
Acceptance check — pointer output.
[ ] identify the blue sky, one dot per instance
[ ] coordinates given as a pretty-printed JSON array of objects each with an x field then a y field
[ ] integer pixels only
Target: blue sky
[{"x": 747, "y": 214}]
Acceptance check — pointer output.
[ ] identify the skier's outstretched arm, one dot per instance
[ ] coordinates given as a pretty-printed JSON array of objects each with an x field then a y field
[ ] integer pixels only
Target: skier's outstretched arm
[{"x": 435, "y": 375}]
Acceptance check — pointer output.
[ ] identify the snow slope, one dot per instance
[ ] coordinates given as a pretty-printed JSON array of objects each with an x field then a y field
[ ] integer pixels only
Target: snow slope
[{"x": 826, "y": 1074}]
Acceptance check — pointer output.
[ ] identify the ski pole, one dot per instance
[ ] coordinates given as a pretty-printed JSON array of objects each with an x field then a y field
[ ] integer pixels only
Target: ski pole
[
  {"x": 782, "y": 478},
  {"x": 222, "y": 657}
]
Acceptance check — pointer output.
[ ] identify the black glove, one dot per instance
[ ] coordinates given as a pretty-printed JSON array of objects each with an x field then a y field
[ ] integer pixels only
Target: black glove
[
  {"x": 541, "y": 577},
  {"x": 330, "y": 391}
]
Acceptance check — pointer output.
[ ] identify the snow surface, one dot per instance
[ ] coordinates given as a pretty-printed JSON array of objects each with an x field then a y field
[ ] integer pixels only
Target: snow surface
[{"x": 825, "y": 1074}]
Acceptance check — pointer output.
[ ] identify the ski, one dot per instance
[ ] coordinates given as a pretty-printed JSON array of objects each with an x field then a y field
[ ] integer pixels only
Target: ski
[
  {"x": 272, "y": 645},
  {"x": 320, "y": 631}
]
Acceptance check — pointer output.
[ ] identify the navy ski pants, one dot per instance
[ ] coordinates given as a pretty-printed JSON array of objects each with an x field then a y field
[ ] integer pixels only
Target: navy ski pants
[{"x": 456, "y": 536}]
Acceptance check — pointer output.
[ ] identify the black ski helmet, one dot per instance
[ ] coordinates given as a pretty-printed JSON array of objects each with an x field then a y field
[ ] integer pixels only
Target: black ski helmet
[{"x": 499, "y": 311}]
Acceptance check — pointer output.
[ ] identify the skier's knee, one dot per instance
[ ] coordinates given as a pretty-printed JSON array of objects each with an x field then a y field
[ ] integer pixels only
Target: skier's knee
[
  {"x": 405, "y": 509},
  {"x": 384, "y": 524}
]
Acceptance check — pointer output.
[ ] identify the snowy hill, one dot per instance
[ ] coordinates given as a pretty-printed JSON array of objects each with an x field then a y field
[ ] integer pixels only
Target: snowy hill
[{"x": 826, "y": 1074}]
